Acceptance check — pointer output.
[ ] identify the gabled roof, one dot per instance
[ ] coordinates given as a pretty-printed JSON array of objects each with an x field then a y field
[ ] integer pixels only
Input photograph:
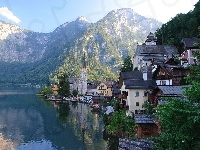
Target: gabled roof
[
  {"x": 155, "y": 49},
  {"x": 189, "y": 42},
  {"x": 172, "y": 90},
  {"x": 165, "y": 66},
  {"x": 134, "y": 80},
  {"x": 108, "y": 83}
]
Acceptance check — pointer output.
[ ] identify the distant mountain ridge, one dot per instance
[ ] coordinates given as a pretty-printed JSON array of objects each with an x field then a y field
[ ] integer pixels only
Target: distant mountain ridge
[{"x": 106, "y": 43}]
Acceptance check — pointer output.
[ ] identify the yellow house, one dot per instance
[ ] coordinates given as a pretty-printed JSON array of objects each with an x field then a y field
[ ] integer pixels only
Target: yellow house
[
  {"x": 55, "y": 89},
  {"x": 105, "y": 88}
]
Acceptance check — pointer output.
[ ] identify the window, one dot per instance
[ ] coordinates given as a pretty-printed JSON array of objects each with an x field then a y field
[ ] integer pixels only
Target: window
[
  {"x": 136, "y": 94},
  {"x": 137, "y": 104},
  {"x": 145, "y": 93},
  {"x": 163, "y": 82}
]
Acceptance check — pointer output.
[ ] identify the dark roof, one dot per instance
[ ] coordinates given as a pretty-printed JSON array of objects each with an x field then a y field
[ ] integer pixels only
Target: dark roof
[
  {"x": 168, "y": 71},
  {"x": 137, "y": 144},
  {"x": 139, "y": 84},
  {"x": 151, "y": 37},
  {"x": 91, "y": 86},
  {"x": 189, "y": 42},
  {"x": 97, "y": 97},
  {"x": 144, "y": 118},
  {"x": 155, "y": 49},
  {"x": 116, "y": 90},
  {"x": 135, "y": 75},
  {"x": 172, "y": 90},
  {"x": 157, "y": 58},
  {"x": 131, "y": 75}
]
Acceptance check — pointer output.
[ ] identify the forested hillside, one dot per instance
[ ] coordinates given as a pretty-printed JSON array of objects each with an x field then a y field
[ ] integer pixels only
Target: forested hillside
[{"x": 179, "y": 27}]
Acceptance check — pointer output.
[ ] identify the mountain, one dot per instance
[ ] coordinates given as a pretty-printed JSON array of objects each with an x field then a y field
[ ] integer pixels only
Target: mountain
[
  {"x": 107, "y": 42},
  {"x": 18, "y": 45},
  {"x": 34, "y": 56}
]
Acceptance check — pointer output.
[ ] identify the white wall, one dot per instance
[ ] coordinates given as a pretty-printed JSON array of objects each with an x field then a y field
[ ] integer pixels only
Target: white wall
[
  {"x": 132, "y": 99},
  {"x": 161, "y": 82}
]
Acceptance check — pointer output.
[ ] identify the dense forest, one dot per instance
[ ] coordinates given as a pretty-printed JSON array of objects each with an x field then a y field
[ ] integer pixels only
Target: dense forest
[{"x": 179, "y": 27}]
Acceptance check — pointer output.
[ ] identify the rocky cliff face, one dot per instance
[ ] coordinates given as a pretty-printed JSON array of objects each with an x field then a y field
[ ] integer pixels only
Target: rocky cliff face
[
  {"x": 19, "y": 45},
  {"x": 108, "y": 42}
]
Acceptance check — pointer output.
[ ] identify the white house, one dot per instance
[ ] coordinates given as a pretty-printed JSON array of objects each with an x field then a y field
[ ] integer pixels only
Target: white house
[
  {"x": 150, "y": 51},
  {"x": 135, "y": 90}
]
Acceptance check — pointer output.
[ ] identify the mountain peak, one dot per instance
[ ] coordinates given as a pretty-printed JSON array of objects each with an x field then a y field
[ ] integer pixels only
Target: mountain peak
[{"x": 82, "y": 19}]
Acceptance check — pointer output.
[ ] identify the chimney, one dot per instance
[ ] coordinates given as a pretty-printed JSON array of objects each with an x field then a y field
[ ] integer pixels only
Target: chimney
[{"x": 144, "y": 71}]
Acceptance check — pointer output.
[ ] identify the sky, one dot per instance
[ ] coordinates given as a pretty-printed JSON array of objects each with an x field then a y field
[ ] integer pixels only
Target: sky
[{"x": 46, "y": 15}]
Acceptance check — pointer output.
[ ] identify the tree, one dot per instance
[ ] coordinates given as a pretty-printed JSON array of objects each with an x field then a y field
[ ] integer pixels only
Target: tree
[
  {"x": 127, "y": 65},
  {"x": 149, "y": 107},
  {"x": 45, "y": 91},
  {"x": 180, "y": 122},
  {"x": 64, "y": 88},
  {"x": 180, "y": 119},
  {"x": 75, "y": 93},
  {"x": 120, "y": 124}
]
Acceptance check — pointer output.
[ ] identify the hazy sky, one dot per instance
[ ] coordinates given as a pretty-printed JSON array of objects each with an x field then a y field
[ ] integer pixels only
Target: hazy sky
[{"x": 46, "y": 15}]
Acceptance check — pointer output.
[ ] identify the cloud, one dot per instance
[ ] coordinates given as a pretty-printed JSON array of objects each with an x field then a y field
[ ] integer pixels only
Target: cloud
[{"x": 4, "y": 11}]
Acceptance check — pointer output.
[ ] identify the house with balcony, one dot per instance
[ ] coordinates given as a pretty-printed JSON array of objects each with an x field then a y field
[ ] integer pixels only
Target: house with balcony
[
  {"x": 134, "y": 89},
  {"x": 167, "y": 74}
]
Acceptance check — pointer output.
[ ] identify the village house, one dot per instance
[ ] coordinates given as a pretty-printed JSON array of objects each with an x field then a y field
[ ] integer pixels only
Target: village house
[
  {"x": 166, "y": 74},
  {"x": 146, "y": 126},
  {"x": 92, "y": 89},
  {"x": 105, "y": 88},
  {"x": 149, "y": 51},
  {"x": 159, "y": 93},
  {"x": 186, "y": 48},
  {"x": 134, "y": 89}
]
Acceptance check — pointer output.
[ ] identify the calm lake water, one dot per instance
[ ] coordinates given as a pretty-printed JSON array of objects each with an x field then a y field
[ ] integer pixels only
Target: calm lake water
[{"x": 28, "y": 122}]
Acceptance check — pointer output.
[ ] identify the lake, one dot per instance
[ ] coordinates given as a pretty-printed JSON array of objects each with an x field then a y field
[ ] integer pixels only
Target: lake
[{"x": 28, "y": 122}]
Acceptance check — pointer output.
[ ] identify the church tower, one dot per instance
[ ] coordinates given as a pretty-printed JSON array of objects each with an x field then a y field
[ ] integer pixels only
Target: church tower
[
  {"x": 83, "y": 78},
  {"x": 151, "y": 39}
]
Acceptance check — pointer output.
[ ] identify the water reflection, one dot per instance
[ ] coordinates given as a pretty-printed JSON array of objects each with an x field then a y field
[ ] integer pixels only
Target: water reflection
[{"x": 28, "y": 123}]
